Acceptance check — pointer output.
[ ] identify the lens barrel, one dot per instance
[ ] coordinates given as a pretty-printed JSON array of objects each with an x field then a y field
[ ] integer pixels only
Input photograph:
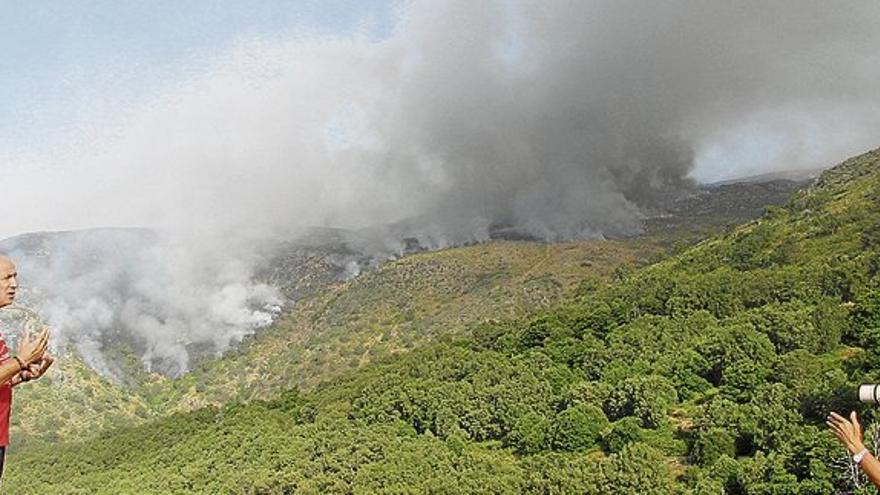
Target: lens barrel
[{"x": 869, "y": 393}]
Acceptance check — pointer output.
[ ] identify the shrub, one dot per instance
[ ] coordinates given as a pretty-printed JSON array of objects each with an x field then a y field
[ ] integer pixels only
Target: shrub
[
  {"x": 648, "y": 398},
  {"x": 578, "y": 428},
  {"x": 711, "y": 444},
  {"x": 622, "y": 433}
]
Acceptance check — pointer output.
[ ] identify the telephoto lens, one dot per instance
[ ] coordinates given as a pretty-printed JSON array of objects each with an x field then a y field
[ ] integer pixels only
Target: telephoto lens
[{"x": 869, "y": 393}]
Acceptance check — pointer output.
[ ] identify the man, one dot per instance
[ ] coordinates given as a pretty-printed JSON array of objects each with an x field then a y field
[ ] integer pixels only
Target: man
[{"x": 31, "y": 362}]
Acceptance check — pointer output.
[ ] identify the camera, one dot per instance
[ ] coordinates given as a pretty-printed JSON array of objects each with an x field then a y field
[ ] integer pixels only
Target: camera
[{"x": 869, "y": 393}]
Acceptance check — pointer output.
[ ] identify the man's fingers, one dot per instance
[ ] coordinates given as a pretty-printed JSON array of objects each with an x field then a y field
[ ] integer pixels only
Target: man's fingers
[
  {"x": 842, "y": 428},
  {"x": 35, "y": 351},
  {"x": 39, "y": 368},
  {"x": 837, "y": 434},
  {"x": 855, "y": 421},
  {"x": 833, "y": 425},
  {"x": 837, "y": 420},
  {"x": 47, "y": 363},
  {"x": 39, "y": 350}
]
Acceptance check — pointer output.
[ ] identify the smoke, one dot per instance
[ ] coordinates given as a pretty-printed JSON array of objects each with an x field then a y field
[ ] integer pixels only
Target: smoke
[
  {"x": 562, "y": 119},
  {"x": 106, "y": 290},
  {"x": 556, "y": 119}
]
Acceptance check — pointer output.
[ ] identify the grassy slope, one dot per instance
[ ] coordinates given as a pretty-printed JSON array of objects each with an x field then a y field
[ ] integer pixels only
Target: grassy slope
[
  {"x": 71, "y": 402},
  {"x": 729, "y": 346}
]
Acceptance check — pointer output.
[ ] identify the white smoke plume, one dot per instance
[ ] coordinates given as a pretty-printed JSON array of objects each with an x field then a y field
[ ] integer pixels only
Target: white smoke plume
[{"x": 105, "y": 288}]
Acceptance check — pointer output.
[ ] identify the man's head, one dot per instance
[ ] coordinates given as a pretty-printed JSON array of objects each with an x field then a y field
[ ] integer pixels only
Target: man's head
[{"x": 8, "y": 281}]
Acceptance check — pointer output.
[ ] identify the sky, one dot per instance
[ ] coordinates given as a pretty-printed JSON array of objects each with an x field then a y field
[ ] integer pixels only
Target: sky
[
  {"x": 69, "y": 67},
  {"x": 90, "y": 92}
]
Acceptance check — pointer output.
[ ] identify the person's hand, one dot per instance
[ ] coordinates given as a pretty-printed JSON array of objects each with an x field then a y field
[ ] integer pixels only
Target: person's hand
[
  {"x": 30, "y": 351},
  {"x": 38, "y": 369},
  {"x": 848, "y": 431}
]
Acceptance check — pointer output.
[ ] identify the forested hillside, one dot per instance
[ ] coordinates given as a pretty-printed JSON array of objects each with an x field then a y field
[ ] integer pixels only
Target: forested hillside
[
  {"x": 710, "y": 372},
  {"x": 334, "y": 325},
  {"x": 331, "y": 328},
  {"x": 398, "y": 307}
]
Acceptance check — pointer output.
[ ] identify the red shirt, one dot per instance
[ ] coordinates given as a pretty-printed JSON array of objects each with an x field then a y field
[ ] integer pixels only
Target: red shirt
[{"x": 5, "y": 399}]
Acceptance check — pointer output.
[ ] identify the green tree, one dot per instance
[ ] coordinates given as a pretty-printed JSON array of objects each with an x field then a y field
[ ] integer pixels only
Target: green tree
[
  {"x": 578, "y": 428},
  {"x": 641, "y": 469},
  {"x": 648, "y": 398},
  {"x": 711, "y": 444},
  {"x": 530, "y": 434},
  {"x": 621, "y": 433}
]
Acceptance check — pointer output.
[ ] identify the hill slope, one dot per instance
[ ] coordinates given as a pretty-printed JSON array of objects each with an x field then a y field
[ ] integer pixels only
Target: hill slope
[
  {"x": 72, "y": 402},
  {"x": 403, "y": 304},
  {"x": 398, "y": 307},
  {"x": 334, "y": 326},
  {"x": 339, "y": 325},
  {"x": 710, "y": 372}
]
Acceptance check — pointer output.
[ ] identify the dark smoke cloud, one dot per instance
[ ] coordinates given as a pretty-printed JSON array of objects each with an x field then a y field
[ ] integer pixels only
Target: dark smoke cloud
[
  {"x": 597, "y": 110},
  {"x": 558, "y": 118}
]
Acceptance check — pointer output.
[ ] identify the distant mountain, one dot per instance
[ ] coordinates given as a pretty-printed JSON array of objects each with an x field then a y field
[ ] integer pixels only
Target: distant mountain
[
  {"x": 721, "y": 205},
  {"x": 794, "y": 175}
]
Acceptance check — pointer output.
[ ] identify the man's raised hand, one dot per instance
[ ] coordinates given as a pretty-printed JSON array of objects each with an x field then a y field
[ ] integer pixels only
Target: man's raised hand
[
  {"x": 31, "y": 352},
  {"x": 38, "y": 369},
  {"x": 848, "y": 431}
]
